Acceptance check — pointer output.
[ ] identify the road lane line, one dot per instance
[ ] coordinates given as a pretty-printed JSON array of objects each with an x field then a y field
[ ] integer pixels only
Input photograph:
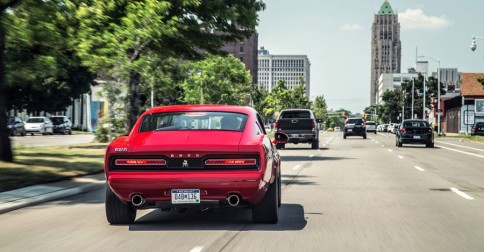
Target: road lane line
[
  {"x": 197, "y": 249},
  {"x": 462, "y": 194},
  {"x": 296, "y": 167},
  {"x": 464, "y": 152},
  {"x": 382, "y": 145},
  {"x": 470, "y": 148},
  {"x": 419, "y": 168},
  {"x": 401, "y": 157},
  {"x": 312, "y": 155},
  {"x": 377, "y": 142},
  {"x": 390, "y": 150}
]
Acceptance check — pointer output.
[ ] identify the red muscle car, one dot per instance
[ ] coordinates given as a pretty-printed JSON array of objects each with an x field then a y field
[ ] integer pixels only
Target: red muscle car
[{"x": 193, "y": 156}]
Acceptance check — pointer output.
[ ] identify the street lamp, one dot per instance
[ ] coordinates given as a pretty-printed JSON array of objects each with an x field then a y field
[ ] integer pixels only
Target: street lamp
[
  {"x": 439, "y": 111},
  {"x": 473, "y": 43}
]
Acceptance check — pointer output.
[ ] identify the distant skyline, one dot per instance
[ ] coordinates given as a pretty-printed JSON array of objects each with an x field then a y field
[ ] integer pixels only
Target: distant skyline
[{"x": 336, "y": 36}]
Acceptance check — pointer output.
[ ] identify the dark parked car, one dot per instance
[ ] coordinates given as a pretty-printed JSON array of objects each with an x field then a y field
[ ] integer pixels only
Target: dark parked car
[
  {"x": 62, "y": 124},
  {"x": 478, "y": 129},
  {"x": 415, "y": 131},
  {"x": 16, "y": 126},
  {"x": 355, "y": 127}
]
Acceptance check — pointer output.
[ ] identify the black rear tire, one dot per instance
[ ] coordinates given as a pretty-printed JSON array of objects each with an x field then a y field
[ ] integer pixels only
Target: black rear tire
[
  {"x": 364, "y": 136},
  {"x": 117, "y": 211},
  {"x": 399, "y": 144},
  {"x": 430, "y": 145},
  {"x": 315, "y": 144},
  {"x": 267, "y": 210},
  {"x": 344, "y": 136},
  {"x": 278, "y": 146}
]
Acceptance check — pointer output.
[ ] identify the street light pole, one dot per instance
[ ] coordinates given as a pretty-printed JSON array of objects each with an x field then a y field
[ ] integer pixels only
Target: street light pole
[
  {"x": 413, "y": 91},
  {"x": 473, "y": 43},
  {"x": 439, "y": 111}
]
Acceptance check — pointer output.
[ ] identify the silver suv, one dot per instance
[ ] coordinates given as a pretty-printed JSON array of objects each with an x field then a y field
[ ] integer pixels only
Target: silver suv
[{"x": 371, "y": 126}]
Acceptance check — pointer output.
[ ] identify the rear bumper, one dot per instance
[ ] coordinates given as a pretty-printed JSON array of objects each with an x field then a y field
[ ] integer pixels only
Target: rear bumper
[
  {"x": 411, "y": 140},
  {"x": 355, "y": 133},
  {"x": 306, "y": 137},
  {"x": 214, "y": 187}
]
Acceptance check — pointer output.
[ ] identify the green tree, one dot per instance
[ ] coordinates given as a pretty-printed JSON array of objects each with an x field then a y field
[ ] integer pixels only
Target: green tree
[
  {"x": 116, "y": 37},
  {"x": 481, "y": 80},
  {"x": 218, "y": 79},
  {"x": 320, "y": 108},
  {"x": 43, "y": 74},
  {"x": 5, "y": 145},
  {"x": 393, "y": 101},
  {"x": 259, "y": 99}
]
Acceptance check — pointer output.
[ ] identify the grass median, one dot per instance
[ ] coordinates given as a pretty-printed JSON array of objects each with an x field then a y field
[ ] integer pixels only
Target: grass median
[{"x": 37, "y": 165}]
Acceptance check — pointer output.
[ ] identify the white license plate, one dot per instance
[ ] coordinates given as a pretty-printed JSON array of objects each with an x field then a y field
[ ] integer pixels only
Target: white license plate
[
  {"x": 416, "y": 137},
  {"x": 295, "y": 136},
  {"x": 350, "y": 130},
  {"x": 185, "y": 196}
]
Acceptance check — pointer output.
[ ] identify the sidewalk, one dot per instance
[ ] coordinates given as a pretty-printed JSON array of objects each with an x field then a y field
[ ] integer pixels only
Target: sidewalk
[{"x": 32, "y": 195}]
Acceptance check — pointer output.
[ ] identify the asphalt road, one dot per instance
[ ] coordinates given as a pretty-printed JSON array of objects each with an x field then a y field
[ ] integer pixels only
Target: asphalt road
[
  {"x": 51, "y": 140},
  {"x": 350, "y": 195}
]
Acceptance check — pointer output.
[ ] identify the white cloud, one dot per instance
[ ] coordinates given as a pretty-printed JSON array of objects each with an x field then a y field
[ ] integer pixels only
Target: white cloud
[
  {"x": 415, "y": 19},
  {"x": 351, "y": 27}
]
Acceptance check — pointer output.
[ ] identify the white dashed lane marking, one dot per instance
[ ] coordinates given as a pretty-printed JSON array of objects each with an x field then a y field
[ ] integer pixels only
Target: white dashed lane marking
[
  {"x": 462, "y": 194},
  {"x": 296, "y": 167},
  {"x": 197, "y": 249},
  {"x": 419, "y": 168}
]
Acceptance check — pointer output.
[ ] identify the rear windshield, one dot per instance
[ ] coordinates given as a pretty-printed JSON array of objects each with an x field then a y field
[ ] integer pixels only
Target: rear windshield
[
  {"x": 370, "y": 123},
  {"x": 35, "y": 120},
  {"x": 57, "y": 119},
  {"x": 295, "y": 114},
  {"x": 193, "y": 121},
  {"x": 354, "y": 121},
  {"x": 480, "y": 126},
  {"x": 416, "y": 124}
]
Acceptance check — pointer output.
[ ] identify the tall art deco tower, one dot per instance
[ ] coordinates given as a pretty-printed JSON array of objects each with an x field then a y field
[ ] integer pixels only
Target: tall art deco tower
[{"x": 386, "y": 47}]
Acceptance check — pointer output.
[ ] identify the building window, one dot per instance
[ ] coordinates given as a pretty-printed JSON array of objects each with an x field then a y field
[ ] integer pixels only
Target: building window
[{"x": 241, "y": 49}]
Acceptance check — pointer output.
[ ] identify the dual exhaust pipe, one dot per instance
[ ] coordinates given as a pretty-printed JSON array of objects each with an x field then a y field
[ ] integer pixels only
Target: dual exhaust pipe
[
  {"x": 233, "y": 199},
  {"x": 138, "y": 200}
]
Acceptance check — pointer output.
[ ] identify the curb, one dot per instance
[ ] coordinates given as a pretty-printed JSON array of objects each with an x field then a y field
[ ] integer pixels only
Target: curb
[{"x": 42, "y": 198}]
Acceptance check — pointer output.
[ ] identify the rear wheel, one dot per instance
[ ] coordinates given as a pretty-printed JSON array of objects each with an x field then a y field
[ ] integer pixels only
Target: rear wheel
[
  {"x": 267, "y": 210},
  {"x": 344, "y": 136},
  {"x": 399, "y": 144},
  {"x": 278, "y": 146},
  {"x": 315, "y": 144},
  {"x": 429, "y": 145},
  {"x": 117, "y": 211},
  {"x": 364, "y": 136}
]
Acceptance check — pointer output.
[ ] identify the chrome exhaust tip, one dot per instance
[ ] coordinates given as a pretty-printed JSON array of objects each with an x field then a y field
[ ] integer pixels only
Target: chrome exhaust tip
[
  {"x": 233, "y": 199},
  {"x": 137, "y": 200}
]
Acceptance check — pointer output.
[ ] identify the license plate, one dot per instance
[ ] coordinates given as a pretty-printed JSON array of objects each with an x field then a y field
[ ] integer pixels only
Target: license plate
[
  {"x": 350, "y": 130},
  {"x": 416, "y": 137},
  {"x": 185, "y": 196},
  {"x": 294, "y": 135}
]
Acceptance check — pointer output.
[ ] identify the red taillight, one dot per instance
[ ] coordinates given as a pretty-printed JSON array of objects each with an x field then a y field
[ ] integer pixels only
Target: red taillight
[
  {"x": 430, "y": 131},
  {"x": 276, "y": 125},
  {"x": 314, "y": 124},
  {"x": 140, "y": 162},
  {"x": 402, "y": 131},
  {"x": 231, "y": 161}
]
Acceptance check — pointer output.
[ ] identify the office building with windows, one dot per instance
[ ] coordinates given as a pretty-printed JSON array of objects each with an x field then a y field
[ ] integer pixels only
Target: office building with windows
[
  {"x": 292, "y": 69},
  {"x": 385, "y": 47}
]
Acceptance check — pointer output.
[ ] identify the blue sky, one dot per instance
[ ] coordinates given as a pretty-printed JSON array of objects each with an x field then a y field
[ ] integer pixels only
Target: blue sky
[{"x": 336, "y": 36}]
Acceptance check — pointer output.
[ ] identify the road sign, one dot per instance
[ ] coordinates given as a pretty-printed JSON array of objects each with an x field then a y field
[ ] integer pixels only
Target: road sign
[{"x": 439, "y": 112}]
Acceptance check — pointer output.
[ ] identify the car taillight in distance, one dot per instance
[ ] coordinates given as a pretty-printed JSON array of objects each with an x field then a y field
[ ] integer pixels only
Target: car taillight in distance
[
  {"x": 402, "y": 131},
  {"x": 276, "y": 125},
  {"x": 231, "y": 161},
  {"x": 314, "y": 124},
  {"x": 140, "y": 162}
]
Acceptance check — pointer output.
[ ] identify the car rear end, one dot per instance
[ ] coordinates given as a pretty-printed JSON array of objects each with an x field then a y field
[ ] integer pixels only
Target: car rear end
[
  {"x": 298, "y": 125},
  {"x": 355, "y": 127},
  {"x": 415, "y": 132},
  {"x": 371, "y": 126},
  {"x": 190, "y": 168},
  {"x": 478, "y": 129}
]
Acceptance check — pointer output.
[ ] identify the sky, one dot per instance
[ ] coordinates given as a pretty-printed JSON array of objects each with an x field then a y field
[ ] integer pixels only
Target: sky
[{"x": 336, "y": 37}]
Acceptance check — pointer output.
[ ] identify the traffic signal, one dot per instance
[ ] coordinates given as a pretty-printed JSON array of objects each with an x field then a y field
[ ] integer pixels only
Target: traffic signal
[
  {"x": 342, "y": 113},
  {"x": 364, "y": 116}
]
